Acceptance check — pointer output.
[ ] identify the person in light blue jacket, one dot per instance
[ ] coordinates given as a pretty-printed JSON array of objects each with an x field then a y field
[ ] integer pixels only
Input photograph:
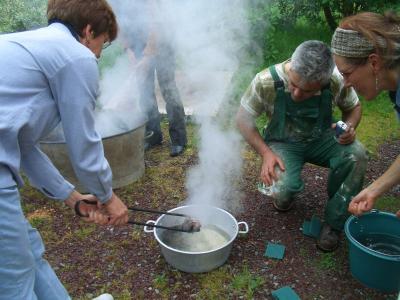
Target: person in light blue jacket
[{"x": 47, "y": 76}]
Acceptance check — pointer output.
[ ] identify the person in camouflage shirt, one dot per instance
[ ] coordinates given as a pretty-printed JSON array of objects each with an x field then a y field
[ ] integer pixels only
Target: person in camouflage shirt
[{"x": 298, "y": 97}]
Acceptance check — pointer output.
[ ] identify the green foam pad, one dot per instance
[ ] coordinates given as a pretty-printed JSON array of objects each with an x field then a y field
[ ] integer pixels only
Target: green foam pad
[
  {"x": 274, "y": 251},
  {"x": 285, "y": 293},
  {"x": 312, "y": 228}
]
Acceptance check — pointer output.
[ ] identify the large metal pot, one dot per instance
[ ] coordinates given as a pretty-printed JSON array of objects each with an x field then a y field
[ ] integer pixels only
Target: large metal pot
[
  {"x": 197, "y": 262},
  {"x": 124, "y": 152}
]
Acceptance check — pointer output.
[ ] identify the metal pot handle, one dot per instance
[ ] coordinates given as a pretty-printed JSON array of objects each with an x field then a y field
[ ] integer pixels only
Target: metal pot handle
[
  {"x": 246, "y": 227},
  {"x": 146, "y": 229}
]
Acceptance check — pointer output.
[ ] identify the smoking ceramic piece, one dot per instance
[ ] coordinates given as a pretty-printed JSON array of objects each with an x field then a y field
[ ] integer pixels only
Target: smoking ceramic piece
[
  {"x": 267, "y": 190},
  {"x": 191, "y": 225}
]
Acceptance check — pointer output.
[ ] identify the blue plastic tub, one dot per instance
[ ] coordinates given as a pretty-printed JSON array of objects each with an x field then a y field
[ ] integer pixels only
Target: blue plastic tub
[{"x": 374, "y": 250}]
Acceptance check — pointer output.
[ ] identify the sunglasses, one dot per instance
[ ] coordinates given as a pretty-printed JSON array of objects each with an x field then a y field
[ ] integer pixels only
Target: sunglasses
[{"x": 106, "y": 45}]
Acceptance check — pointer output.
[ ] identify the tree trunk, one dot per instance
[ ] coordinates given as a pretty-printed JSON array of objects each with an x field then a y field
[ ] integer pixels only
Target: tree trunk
[{"x": 329, "y": 17}]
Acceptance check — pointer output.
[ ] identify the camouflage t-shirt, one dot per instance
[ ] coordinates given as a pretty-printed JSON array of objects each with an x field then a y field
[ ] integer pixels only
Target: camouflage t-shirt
[{"x": 260, "y": 95}]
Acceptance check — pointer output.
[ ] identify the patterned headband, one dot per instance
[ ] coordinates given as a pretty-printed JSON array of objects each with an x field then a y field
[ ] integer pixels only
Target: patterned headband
[{"x": 350, "y": 43}]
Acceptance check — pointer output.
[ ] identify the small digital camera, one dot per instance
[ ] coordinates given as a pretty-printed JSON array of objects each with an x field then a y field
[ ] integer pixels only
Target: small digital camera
[{"x": 340, "y": 128}]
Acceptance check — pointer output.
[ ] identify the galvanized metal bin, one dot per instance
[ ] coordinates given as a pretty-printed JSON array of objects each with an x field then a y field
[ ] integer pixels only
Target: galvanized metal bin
[{"x": 124, "y": 152}]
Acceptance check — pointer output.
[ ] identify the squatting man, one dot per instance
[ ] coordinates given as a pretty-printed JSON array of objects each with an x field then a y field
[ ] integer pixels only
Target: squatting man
[{"x": 298, "y": 97}]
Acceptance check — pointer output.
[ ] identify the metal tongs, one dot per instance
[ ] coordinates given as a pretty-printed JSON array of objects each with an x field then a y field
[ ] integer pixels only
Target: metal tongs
[{"x": 189, "y": 224}]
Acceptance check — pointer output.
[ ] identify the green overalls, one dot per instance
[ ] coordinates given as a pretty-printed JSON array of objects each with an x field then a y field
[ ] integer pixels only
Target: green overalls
[{"x": 300, "y": 132}]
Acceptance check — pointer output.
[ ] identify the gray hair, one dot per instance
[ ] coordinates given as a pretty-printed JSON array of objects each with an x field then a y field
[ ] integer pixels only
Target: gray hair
[{"x": 313, "y": 61}]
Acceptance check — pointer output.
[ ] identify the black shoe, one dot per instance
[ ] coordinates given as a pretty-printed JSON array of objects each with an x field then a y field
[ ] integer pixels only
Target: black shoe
[
  {"x": 151, "y": 139},
  {"x": 176, "y": 150},
  {"x": 328, "y": 240},
  {"x": 282, "y": 206}
]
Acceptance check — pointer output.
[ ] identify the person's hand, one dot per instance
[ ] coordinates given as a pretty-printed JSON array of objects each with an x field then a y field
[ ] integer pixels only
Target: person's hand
[
  {"x": 92, "y": 210},
  {"x": 96, "y": 216},
  {"x": 271, "y": 163},
  {"x": 116, "y": 210},
  {"x": 348, "y": 136},
  {"x": 363, "y": 202}
]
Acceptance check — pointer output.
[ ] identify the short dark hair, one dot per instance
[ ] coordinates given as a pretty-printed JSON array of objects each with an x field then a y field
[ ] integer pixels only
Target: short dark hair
[{"x": 80, "y": 13}]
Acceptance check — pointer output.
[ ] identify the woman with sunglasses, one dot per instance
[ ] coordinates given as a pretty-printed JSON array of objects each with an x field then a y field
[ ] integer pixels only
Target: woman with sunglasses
[{"x": 366, "y": 50}]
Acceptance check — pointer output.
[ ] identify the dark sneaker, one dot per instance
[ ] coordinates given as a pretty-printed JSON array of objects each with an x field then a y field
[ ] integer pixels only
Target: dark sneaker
[
  {"x": 282, "y": 206},
  {"x": 176, "y": 150},
  {"x": 151, "y": 140},
  {"x": 328, "y": 240}
]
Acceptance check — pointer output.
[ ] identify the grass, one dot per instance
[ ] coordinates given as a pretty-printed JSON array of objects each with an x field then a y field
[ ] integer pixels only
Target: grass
[
  {"x": 40, "y": 218},
  {"x": 161, "y": 283},
  {"x": 214, "y": 284},
  {"x": 85, "y": 231},
  {"x": 378, "y": 123},
  {"x": 327, "y": 261},
  {"x": 388, "y": 203},
  {"x": 225, "y": 283},
  {"x": 246, "y": 283}
]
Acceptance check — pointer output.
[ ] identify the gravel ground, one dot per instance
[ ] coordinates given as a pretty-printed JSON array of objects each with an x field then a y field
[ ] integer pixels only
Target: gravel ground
[{"x": 127, "y": 262}]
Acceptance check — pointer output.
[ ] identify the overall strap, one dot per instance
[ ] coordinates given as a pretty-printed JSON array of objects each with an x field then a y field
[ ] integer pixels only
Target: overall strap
[
  {"x": 325, "y": 117},
  {"x": 278, "y": 82},
  {"x": 276, "y": 127}
]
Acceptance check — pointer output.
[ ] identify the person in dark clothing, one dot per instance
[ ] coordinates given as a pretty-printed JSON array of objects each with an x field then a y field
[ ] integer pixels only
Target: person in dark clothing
[{"x": 151, "y": 48}]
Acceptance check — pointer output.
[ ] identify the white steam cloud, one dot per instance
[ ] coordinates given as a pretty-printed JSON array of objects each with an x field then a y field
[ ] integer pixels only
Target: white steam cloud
[
  {"x": 118, "y": 108},
  {"x": 207, "y": 37}
]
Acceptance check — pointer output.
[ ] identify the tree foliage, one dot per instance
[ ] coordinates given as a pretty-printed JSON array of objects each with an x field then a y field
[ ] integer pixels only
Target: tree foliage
[
  {"x": 326, "y": 11},
  {"x": 19, "y": 15}
]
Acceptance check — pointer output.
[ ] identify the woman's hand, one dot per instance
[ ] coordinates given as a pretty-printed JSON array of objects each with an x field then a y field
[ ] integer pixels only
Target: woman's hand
[
  {"x": 116, "y": 210},
  {"x": 363, "y": 202},
  {"x": 93, "y": 211}
]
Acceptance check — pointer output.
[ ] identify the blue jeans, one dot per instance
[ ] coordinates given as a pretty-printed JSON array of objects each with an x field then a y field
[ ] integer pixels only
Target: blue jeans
[
  {"x": 162, "y": 64},
  {"x": 24, "y": 274}
]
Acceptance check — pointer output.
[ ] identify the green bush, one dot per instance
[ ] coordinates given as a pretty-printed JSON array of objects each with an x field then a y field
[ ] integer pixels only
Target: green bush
[{"x": 20, "y": 15}]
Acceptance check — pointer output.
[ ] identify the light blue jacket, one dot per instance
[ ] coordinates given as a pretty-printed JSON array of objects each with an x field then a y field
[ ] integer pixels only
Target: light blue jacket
[{"x": 47, "y": 76}]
